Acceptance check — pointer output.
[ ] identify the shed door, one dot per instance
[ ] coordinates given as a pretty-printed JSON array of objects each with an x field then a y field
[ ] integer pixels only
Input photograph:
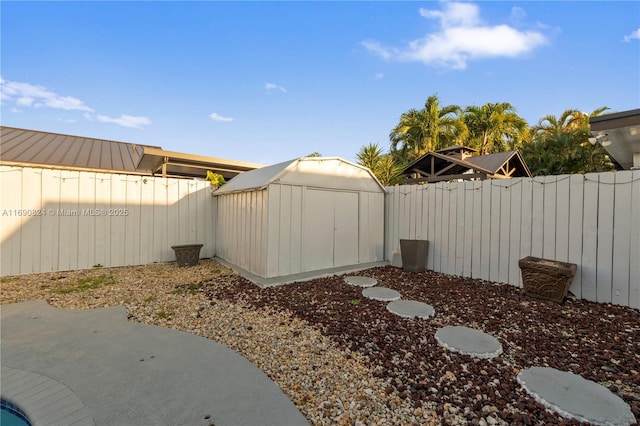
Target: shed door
[{"x": 330, "y": 229}]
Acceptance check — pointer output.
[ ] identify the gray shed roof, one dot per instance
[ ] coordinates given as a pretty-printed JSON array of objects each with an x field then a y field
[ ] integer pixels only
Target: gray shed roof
[{"x": 322, "y": 172}]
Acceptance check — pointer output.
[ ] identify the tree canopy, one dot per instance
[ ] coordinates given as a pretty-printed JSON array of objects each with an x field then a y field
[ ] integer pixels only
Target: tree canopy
[{"x": 555, "y": 145}]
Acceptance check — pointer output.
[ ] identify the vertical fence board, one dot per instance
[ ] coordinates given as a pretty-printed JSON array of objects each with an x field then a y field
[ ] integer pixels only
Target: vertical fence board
[
  {"x": 453, "y": 229},
  {"x": 161, "y": 241},
  {"x": 537, "y": 217},
  {"x": 605, "y": 237},
  {"x": 562, "y": 218},
  {"x": 576, "y": 200},
  {"x": 622, "y": 212},
  {"x": 505, "y": 230},
  {"x": 147, "y": 206},
  {"x": 476, "y": 229},
  {"x": 549, "y": 217},
  {"x": 467, "y": 218},
  {"x": 526, "y": 222},
  {"x": 485, "y": 249},
  {"x": 412, "y": 200},
  {"x": 51, "y": 226},
  {"x": 118, "y": 229},
  {"x": 444, "y": 227},
  {"x": 590, "y": 237},
  {"x": 31, "y": 200},
  {"x": 431, "y": 195},
  {"x": 634, "y": 249},
  {"x": 102, "y": 223},
  {"x": 68, "y": 215},
  {"x": 11, "y": 220},
  {"x": 514, "y": 232},
  {"x": 132, "y": 227},
  {"x": 86, "y": 221},
  {"x": 494, "y": 240}
]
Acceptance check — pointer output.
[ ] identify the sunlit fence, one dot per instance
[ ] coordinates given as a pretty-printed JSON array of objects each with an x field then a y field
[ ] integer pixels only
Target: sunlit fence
[
  {"x": 481, "y": 229},
  {"x": 56, "y": 220}
]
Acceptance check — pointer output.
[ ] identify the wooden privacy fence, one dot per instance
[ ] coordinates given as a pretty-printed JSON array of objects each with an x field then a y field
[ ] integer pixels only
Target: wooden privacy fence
[
  {"x": 480, "y": 229},
  {"x": 56, "y": 220}
]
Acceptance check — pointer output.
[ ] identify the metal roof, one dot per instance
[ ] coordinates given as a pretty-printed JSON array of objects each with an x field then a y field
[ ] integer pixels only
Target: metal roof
[
  {"x": 321, "y": 172},
  {"x": 22, "y": 147},
  {"x": 33, "y": 147}
]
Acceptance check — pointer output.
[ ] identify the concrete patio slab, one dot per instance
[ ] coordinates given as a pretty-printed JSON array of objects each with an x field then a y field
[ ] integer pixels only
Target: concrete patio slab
[
  {"x": 468, "y": 341},
  {"x": 126, "y": 373},
  {"x": 574, "y": 397},
  {"x": 411, "y": 309},
  {"x": 360, "y": 281},
  {"x": 381, "y": 293}
]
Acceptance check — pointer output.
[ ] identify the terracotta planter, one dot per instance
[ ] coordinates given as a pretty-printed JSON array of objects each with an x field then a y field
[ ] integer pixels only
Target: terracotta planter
[
  {"x": 188, "y": 254},
  {"x": 414, "y": 255},
  {"x": 545, "y": 279}
]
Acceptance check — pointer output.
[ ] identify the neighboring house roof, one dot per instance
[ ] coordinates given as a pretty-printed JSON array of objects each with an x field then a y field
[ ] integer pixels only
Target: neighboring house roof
[
  {"x": 454, "y": 163},
  {"x": 32, "y": 147},
  {"x": 22, "y": 147},
  {"x": 321, "y": 172},
  {"x": 619, "y": 134}
]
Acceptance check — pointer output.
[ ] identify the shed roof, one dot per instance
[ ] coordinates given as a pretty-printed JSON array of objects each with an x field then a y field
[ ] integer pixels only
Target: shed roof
[
  {"x": 23, "y": 147},
  {"x": 321, "y": 172}
]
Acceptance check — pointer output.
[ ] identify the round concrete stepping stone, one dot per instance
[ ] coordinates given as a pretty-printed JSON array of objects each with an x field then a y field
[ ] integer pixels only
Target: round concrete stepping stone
[
  {"x": 361, "y": 281},
  {"x": 574, "y": 397},
  {"x": 468, "y": 341},
  {"x": 410, "y": 309},
  {"x": 381, "y": 293}
]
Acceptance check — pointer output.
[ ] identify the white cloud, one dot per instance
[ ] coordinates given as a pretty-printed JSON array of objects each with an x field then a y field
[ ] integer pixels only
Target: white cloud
[
  {"x": 217, "y": 117},
  {"x": 378, "y": 75},
  {"x": 34, "y": 95},
  {"x": 37, "y": 96},
  {"x": 634, "y": 35},
  {"x": 125, "y": 121},
  {"x": 462, "y": 36},
  {"x": 375, "y": 47},
  {"x": 271, "y": 86}
]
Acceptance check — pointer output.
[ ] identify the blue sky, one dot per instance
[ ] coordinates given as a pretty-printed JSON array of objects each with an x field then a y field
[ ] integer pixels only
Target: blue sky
[{"x": 270, "y": 81}]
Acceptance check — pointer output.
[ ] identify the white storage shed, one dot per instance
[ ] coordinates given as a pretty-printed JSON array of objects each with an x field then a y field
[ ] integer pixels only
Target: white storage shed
[{"x": 300, "y": 216}]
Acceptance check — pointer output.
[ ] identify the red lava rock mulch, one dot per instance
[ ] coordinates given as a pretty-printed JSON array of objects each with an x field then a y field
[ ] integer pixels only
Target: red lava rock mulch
[{"x": 600, "y": 342}]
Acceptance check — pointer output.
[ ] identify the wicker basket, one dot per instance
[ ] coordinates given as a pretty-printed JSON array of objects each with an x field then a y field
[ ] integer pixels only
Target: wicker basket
[
  {"x": 188, "y": 254},
  {"x": 545, "y": 279}
]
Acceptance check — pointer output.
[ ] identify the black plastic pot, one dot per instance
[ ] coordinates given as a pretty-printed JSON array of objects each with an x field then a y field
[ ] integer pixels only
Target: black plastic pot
[{"x": 414, "y": 255}]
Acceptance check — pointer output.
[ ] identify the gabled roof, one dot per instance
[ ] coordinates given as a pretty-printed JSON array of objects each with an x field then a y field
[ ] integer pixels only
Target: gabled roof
[
  {"x": 320, "y": 172},
  {"x": 22, "y": 147},
  {"x": 442, "y": 165}
]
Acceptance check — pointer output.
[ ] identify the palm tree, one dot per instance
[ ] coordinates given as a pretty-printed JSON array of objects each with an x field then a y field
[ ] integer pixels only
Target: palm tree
[
  {"x": 428, "y": 129},
  {"x": 560, "y": 145},
  {"x": 382, "y": 165},
  {"x": 494, "y": 127}
]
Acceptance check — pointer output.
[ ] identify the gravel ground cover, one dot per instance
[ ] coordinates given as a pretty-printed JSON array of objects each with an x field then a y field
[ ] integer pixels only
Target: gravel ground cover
[
  {"x": 327, "y": 384},
  {"x": 600, "y": 342},
  {"x": 344, "y": 359}
]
